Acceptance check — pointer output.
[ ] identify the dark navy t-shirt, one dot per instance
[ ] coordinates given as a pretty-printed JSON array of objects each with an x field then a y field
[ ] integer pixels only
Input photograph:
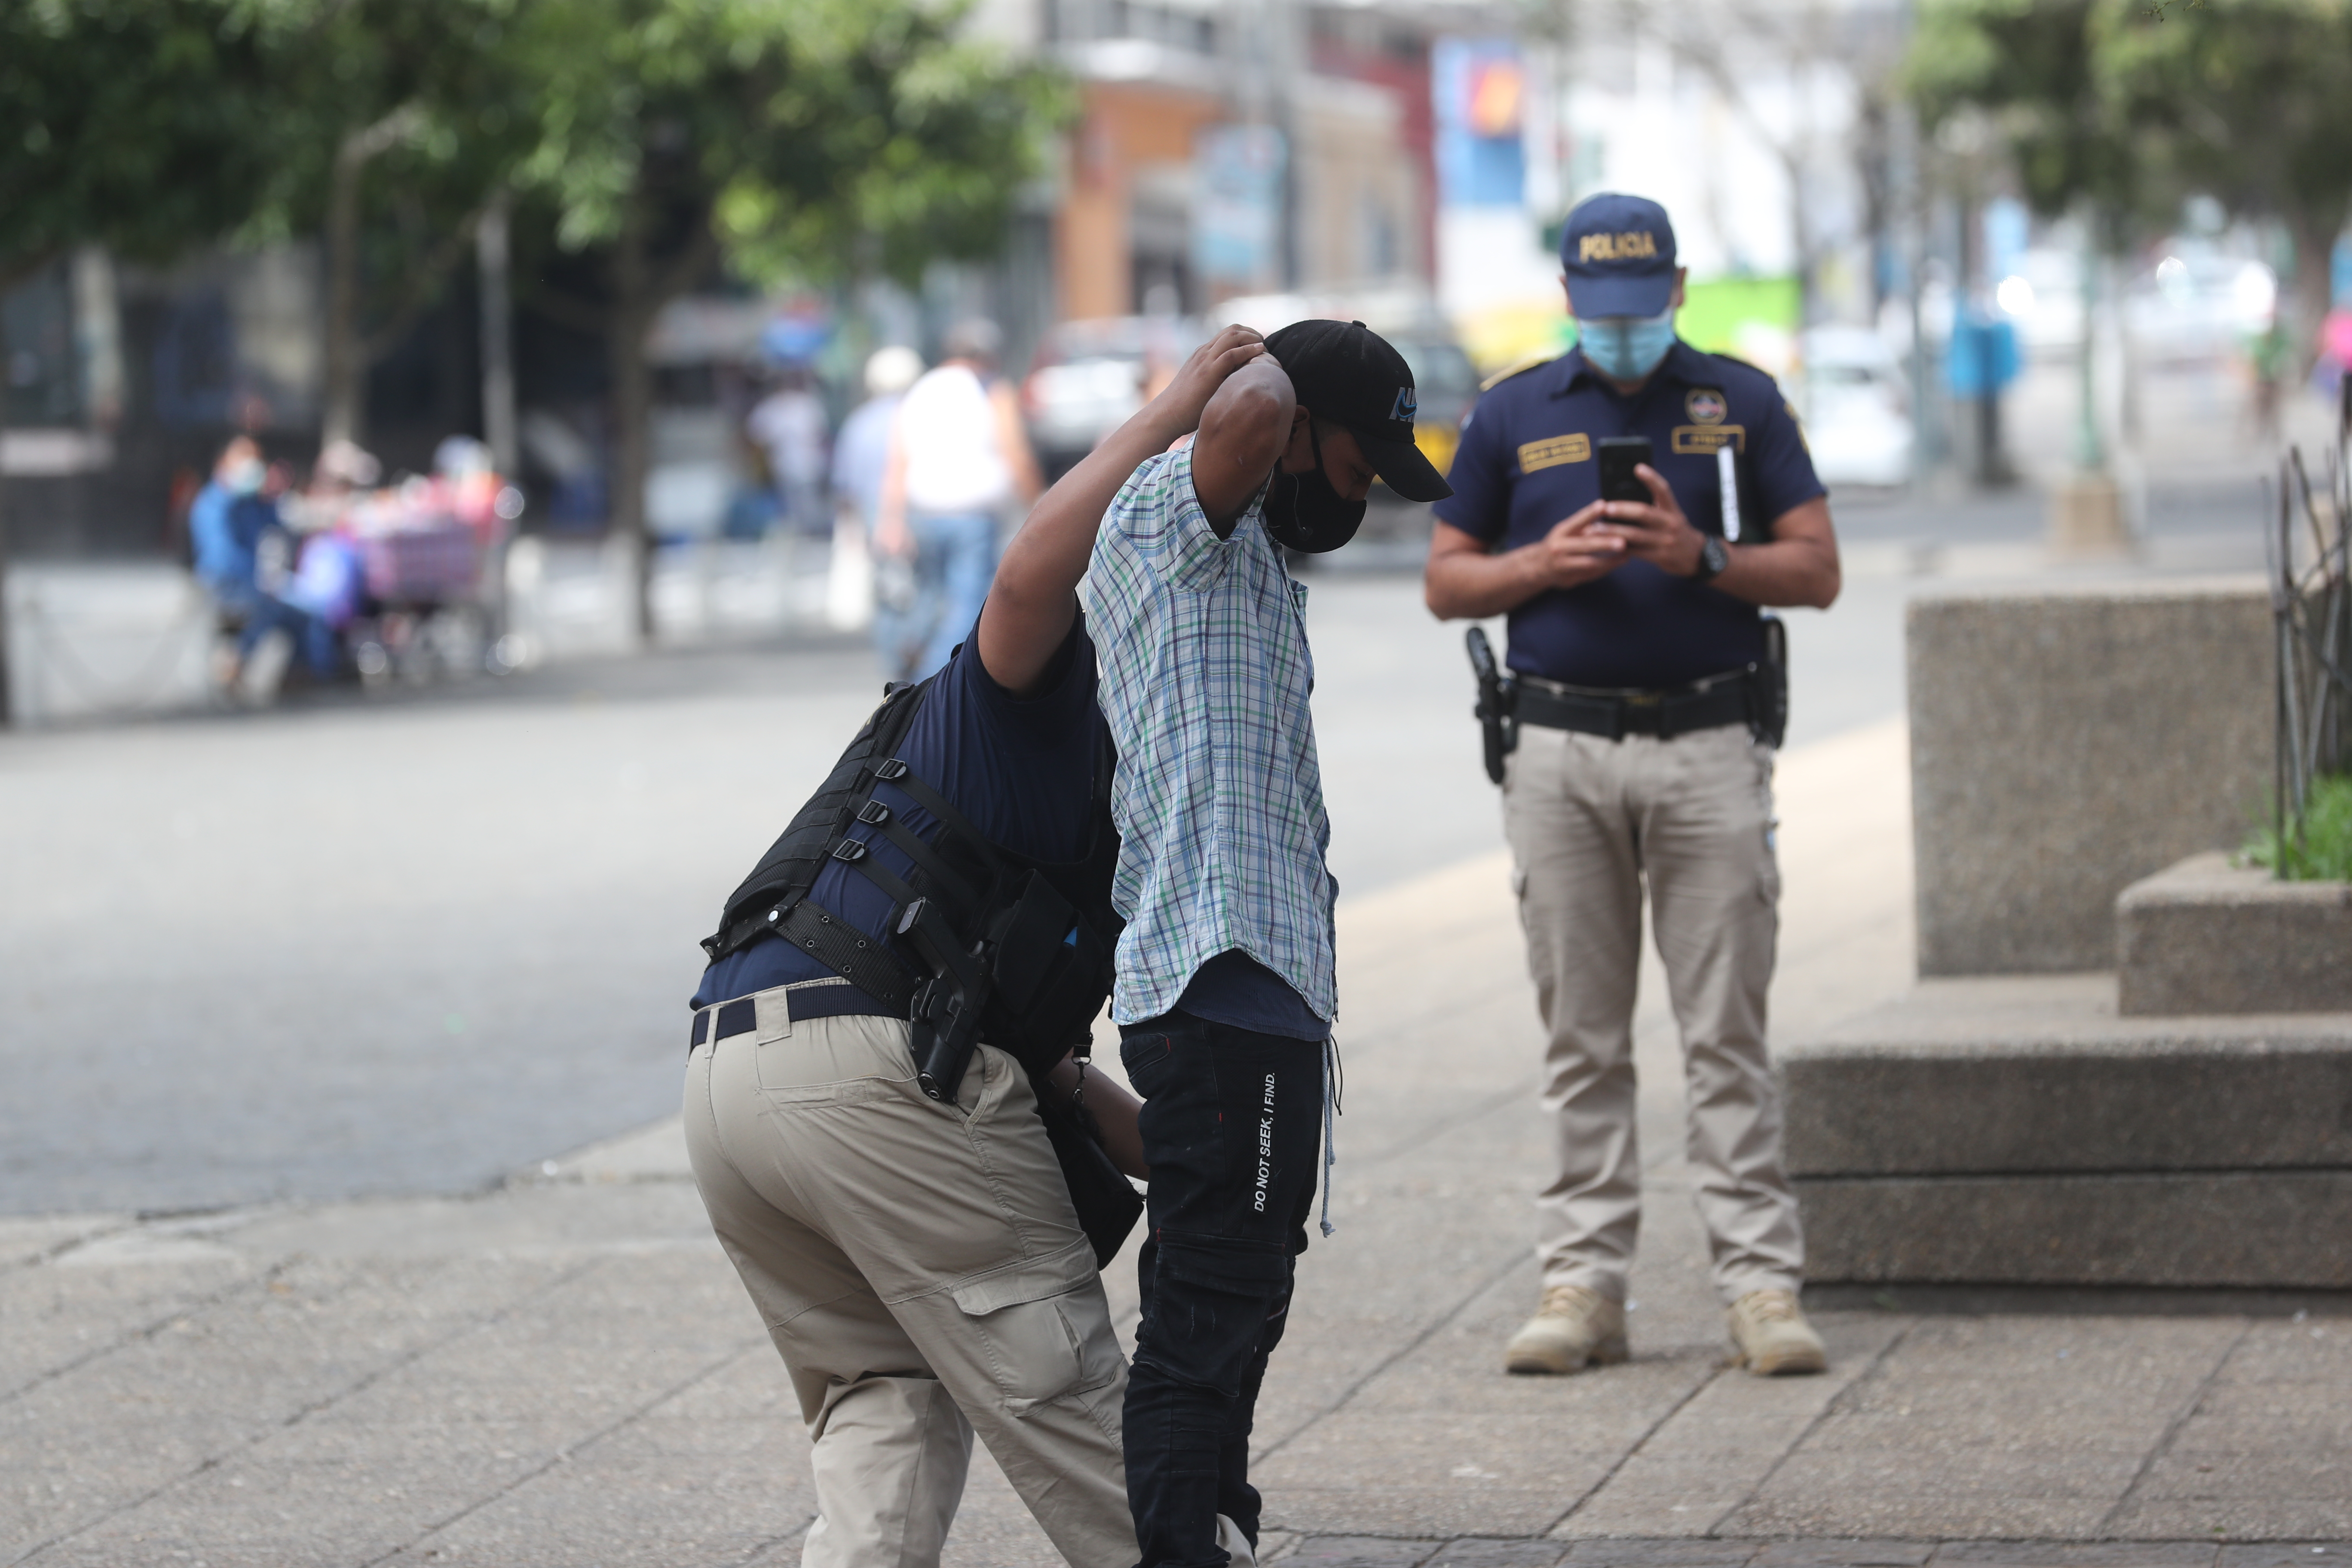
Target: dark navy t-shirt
[
  {"x": 1020, "y": 769},
  {"x": 1235, "y": 988},
  {"x": 1526, "y": 462}
]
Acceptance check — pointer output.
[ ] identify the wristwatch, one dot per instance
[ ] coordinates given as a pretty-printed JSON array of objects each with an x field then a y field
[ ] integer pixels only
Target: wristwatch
[{"x": 1712, "y": 558}]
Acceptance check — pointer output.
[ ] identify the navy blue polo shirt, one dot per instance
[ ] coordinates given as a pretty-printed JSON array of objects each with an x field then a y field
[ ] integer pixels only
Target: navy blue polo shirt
[{"x": 1526, "y": 463}]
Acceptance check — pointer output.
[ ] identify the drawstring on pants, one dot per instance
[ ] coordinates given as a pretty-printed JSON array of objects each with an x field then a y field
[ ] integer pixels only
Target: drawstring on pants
[{"x": 1334, "y": 1085}]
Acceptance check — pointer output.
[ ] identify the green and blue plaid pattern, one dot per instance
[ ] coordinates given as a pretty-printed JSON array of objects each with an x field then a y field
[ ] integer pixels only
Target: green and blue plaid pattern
[{"x": 1219, "y": 800}]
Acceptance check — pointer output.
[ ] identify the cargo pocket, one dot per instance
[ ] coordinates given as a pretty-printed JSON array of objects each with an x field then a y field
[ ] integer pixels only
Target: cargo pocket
[
  {"x": 1212, "y": 1300},
  {"x": 1046, "y": 1337}
]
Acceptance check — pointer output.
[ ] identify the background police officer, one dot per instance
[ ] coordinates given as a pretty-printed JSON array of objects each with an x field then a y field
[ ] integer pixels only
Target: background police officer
[{"x": 1631, "y": 624}]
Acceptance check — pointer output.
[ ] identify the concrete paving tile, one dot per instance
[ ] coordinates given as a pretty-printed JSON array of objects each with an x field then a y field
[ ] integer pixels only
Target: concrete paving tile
[
  {"x": 1905, "y": 1429},
  {"x": 632, "y": 1500},
  {"x": 2002, "y": 1410},
  {"x": 25, "y": 1239},
  {"x": 2283, "y": 1472},
  {"x": 1907, "y": 1512},
  {"x": 1469, "y": 1449},
  {"x": 1651, "y": 1496},
  {"x": 2326, "y": 1518},
  {"x": 1658, "y": 1553},
  {"x": 2252, "y": 1417},
  {"x": 2074, "y": 1554},
  {"x": 2280, "y": 1350},
  {"x": 1360, "y": 1552},
  {"x": 1883, "y": 1552},
  {"x": 1430, "y": 1511},
  {"x": 2088, "y": 1353},
  {"x": 1930, "y": 1470},
  {"x": 51, "y": 1317},
  {"x": 2296, "y": 1554},
  {"x": 1473, "y": 1553}
]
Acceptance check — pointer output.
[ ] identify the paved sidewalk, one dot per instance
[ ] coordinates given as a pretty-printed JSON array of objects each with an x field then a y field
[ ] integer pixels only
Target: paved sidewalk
[{"x": 564, "y": 1371}]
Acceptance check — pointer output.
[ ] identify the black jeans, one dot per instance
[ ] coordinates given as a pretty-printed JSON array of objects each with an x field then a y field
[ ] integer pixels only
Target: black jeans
[{"x": 1232, "y": 1125}]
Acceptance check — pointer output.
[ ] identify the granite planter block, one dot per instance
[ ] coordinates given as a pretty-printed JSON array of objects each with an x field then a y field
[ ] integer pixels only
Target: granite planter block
[
  {"x": 2040, "y": 1074},
  {"x": 2063, "y": 745},
  {"x": 2268, "y": 1230},
  {"x": 2206, "y": 936},
  {"x": 2021, "y": 1130}
]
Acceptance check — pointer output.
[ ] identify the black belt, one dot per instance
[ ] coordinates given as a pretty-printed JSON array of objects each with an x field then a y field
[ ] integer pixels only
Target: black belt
[
  {"x": 806, "y": 1001},
  {"x": 1702, "y": 705}
]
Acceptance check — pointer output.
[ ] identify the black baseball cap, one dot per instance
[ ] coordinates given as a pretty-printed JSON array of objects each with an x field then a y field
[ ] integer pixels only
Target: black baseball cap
[
  {"x": 1619, "y": 254},
  {"x": 1349, "y": 374}
]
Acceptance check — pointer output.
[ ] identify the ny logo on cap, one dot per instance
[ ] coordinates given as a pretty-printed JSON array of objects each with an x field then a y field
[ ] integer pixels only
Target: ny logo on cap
[{"x": 1402, "y": 408}]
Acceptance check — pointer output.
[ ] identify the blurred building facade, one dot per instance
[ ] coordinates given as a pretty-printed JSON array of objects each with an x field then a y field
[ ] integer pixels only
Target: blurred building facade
[{"x": 1229, "y": 147}]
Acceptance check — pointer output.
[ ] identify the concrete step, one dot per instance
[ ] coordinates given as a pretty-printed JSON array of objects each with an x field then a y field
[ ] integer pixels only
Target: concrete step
[{"x": 2019, "y": 1129}]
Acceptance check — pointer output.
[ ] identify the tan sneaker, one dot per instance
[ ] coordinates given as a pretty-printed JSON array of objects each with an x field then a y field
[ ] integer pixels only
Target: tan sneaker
[
  {"x": 1575, "y": 1328},
  {"x": 1773, "y": 1336}
]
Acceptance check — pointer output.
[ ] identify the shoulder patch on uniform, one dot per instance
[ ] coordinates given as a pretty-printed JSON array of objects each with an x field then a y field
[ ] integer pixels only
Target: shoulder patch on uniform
[{"x": 1517, "y": 367}]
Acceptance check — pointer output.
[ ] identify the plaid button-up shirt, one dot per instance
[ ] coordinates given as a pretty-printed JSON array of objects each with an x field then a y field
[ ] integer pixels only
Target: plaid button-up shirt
[{"x": 1219, "y": 800}]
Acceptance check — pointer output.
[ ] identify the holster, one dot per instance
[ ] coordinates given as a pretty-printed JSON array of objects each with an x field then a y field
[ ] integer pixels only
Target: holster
[{"x": 1768, "y": 686}]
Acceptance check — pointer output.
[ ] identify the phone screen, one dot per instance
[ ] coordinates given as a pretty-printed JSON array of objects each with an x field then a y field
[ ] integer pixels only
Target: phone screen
[{"x": 1619, "y": 455}]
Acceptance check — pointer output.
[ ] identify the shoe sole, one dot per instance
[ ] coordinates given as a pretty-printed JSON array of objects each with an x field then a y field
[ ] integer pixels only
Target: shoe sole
[
  {"x": 1608, "y": 1352},
  {"x": 1798, "y": 1365}
]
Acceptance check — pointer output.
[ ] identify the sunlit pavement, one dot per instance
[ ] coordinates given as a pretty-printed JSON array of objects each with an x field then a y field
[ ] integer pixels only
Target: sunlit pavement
[
  {"x": 264, "y": 966},
  {"x": 563, "y": 1370}
]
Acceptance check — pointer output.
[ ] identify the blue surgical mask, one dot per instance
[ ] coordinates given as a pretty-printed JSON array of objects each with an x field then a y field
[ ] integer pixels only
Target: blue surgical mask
[
  {"x": 1626, "y": 348},
  {"x": 244, "y": 477}
]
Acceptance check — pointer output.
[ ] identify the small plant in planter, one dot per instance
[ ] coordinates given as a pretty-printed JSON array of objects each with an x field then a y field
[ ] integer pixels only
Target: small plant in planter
[{"x": 2317, "y": 846}]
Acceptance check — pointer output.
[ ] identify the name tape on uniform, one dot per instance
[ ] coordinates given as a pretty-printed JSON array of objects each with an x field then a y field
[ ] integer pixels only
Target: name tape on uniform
[
  {"x": 1701, "y": 440},
  {"x": 1551, "y": 454}
]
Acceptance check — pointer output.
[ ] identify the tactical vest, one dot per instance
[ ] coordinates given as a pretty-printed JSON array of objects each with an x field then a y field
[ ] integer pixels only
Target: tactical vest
[{"x": 1034, "y": 937}]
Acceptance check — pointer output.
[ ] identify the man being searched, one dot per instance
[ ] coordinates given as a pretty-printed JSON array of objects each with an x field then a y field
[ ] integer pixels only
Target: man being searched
[
  {"x": 1646, "y": 721},
  {"x": 1225, "y": 989},
  {"x": 881, "y": 1051}
]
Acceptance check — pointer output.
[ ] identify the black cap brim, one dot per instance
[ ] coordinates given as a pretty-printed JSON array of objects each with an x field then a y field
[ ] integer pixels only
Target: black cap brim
[{"x": 1404, "y": 469}]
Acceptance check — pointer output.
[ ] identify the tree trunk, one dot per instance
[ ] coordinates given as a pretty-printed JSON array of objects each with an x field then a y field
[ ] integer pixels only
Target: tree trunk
[
  {"x": 632, "y": 378},
  {"x": 344, "y": 417}
]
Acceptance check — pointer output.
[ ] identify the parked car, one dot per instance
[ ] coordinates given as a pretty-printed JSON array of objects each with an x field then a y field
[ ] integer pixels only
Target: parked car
[
  {"x": 1856, "y": 406},
  {"x": 1088, "y": 377}
]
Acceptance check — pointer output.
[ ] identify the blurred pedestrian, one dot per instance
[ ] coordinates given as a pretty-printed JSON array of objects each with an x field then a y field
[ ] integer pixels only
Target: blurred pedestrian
[
  {"x": 789, "y": 426},
  {"x": 860, "y": 455},
  {"x": 1226, "y": 985},
  {"x": 959, "y": 458},
  {"x": 233, "y": 526},
  {"x": 1646, "y": 724}
]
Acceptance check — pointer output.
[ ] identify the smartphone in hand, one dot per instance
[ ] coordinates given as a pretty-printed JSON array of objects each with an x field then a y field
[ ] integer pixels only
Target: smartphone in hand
[{"x": 1619, "y": 455}]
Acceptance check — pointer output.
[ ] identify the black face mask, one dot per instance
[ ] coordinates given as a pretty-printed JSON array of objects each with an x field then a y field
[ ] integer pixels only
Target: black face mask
[{"x": 1305, "y": 513}]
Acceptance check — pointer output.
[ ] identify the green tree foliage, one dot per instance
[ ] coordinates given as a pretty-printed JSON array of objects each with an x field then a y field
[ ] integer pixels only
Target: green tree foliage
[
  {"x": 144, "y": 125},
  {"x": 2251, "y": 101},
  {"x": 2032, "y": 69},
  {"x": 807, "y": 139},
  {"x": 399, "y": 121},
  {"x": 2125, "y": 107}
]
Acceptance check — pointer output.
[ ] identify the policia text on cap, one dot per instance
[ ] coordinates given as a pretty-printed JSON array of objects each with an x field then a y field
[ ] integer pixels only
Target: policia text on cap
[{"x": 1634, "y": 628}]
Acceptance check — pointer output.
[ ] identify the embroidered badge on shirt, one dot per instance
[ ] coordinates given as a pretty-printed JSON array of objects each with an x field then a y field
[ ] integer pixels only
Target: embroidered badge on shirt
[
  {"x": 1705, "y": 405},
  {"x": 1551, "y": 454}
]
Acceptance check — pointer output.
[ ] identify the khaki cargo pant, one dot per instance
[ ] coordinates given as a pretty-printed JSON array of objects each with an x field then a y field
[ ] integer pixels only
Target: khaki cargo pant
[
  {"x": 922, "y": 1273},
  {"x": 1589, "y": 820}
]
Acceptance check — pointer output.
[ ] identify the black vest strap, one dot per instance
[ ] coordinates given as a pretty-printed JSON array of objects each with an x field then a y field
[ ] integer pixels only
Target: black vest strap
[
  {"x": 849, "y": 952},
  {"x": 900, "y": 777},
  {"x": 944, "y": 877}
]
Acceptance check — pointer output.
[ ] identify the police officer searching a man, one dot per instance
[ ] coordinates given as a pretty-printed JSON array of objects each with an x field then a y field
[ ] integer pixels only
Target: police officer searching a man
[{"x": 1646, "y": 714}]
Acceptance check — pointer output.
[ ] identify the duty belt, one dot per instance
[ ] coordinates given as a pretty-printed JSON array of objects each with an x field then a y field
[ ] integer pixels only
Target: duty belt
[{"x": 1614, "y": 713}]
